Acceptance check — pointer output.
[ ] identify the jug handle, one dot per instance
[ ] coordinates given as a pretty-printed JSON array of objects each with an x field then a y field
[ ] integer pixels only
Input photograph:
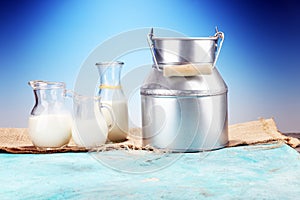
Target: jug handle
[
  {"x": 220, "y": 35},
  {"x": 69, "y": 93},
  {"x": 110, "y": 110},
  {"x": 151, "y": 45}
]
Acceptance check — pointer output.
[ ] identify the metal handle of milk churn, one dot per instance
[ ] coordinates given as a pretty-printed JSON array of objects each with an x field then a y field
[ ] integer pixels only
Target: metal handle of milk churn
[
  {"x": 218, "y": 34},
  {"x": 221, "y": 35},
  {"x": 151, "y": 45}
]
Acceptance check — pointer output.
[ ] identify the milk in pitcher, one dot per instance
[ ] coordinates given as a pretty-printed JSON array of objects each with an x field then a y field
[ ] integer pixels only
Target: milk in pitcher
[
  {"x": 50, "y": 131},
  {"x": 90, "y": 132}
]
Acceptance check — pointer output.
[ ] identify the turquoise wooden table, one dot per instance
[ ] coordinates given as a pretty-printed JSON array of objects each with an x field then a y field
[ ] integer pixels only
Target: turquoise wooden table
[{"x": 247, "y": 172}]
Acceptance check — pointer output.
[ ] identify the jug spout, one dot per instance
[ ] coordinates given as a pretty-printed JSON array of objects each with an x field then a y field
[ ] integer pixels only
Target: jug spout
[
  {"x": 31, "y": 83},
  {"x": 34, "y": 83}
]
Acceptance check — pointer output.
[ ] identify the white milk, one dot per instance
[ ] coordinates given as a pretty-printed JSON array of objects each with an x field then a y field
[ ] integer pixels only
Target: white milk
[
  {"x": 120, "y": 129},
  {"x": 90, "y": 132},
  {"x": 50, "y": 131}
]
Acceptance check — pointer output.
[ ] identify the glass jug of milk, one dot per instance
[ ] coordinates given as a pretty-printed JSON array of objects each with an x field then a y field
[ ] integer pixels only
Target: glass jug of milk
[
  {"x": 111, "y": 93},
  {"x": 89, "y": 125},
  {"x": 50, "y": 122}
]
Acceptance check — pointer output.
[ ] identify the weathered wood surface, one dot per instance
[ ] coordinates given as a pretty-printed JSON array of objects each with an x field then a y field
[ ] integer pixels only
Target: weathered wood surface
[{"x": 247, "y": 172}]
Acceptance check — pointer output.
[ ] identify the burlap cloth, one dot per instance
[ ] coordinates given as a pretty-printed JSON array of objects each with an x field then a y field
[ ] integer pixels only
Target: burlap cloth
[{"x": 16, "y": 140}]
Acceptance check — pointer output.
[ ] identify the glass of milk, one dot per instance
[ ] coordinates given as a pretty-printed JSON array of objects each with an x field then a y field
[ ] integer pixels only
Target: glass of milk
[
  {"x": 112, "y": 95},
  {"x": 89, "y": 125},
  {"x": 50, "y": 122}
]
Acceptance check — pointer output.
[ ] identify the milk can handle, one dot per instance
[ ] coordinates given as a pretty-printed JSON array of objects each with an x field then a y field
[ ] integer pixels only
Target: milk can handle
[
  {"x": 221, "y": 35},
  {"x": 151, "y": 45},
  {"x": 218, "y": 34}
]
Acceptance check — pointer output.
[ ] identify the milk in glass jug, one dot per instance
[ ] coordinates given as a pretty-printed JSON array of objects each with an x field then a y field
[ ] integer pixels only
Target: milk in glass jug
[{"x": 50, "y": 122}]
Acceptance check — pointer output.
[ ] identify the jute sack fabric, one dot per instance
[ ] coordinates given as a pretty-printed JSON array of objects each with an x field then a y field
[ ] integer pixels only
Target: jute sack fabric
[{"x": 17, "y": 140}]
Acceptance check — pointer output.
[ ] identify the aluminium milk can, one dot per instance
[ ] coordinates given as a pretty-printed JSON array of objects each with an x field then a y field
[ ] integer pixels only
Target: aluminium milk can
[{"x": 184, "y": 98}]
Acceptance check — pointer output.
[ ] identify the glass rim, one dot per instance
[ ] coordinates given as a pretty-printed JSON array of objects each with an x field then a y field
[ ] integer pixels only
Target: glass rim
[
  {"x": 40, "y": 84},
  {"x": 109, "y": 63}
]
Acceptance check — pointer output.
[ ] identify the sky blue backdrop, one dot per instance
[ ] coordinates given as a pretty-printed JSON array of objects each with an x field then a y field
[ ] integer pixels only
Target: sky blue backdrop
[{"x": 49, "y": 40}]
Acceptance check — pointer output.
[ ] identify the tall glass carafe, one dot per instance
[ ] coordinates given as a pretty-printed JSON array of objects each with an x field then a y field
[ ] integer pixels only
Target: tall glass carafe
[
  {"x": 111, "y": 93},
  {"x": 50, "y": 122}
]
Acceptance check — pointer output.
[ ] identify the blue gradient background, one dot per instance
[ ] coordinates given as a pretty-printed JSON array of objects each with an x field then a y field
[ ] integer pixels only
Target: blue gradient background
[{"x": 49, "y": 40}]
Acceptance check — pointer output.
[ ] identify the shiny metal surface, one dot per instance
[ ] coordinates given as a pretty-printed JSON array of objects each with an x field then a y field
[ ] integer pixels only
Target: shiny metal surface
[
  {"x": 205, "y": 85},
  {"x": 180, "y": 113},
  {"x": 185, "y": 124},
  {"x": 192, "y": 118},
  {"x": 178, "y": 51}
]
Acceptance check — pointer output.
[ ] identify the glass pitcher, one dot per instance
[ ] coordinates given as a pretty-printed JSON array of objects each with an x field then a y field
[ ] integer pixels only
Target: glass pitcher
[
  {"x": 89, "y": 126},
  {"x": 111, "y": 93},
  {"x": 50, "y": 121}
]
